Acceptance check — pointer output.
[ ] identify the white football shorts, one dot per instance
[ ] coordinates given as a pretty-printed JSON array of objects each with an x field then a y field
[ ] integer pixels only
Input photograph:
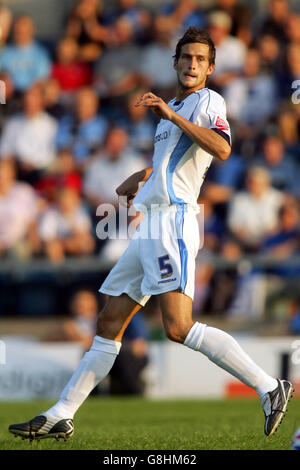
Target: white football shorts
[{"x": 160, "y": 257}]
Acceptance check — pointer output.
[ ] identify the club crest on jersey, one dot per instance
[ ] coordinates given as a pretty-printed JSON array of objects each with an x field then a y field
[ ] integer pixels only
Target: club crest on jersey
[{"x": 221, "y": 124}]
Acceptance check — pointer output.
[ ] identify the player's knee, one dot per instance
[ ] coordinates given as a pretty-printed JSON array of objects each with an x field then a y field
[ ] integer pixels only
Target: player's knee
[{"x": 176, "y": 333}]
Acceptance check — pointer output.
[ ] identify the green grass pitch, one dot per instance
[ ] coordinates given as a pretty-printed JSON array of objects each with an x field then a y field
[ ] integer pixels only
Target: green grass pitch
[{"x": 136, "y": 423}]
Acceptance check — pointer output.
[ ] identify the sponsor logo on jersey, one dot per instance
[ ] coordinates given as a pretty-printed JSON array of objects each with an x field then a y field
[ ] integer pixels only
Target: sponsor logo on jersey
[
  {"x": 221, "y": 124},
  {"x": 162, "y": 136},
  {"x": 167, "y": 280}
]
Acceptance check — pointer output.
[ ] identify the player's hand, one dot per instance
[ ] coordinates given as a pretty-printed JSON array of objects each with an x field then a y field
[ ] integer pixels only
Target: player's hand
[
  {"x": 129, "y": 188},
  {"x": 157, "y": 106}
]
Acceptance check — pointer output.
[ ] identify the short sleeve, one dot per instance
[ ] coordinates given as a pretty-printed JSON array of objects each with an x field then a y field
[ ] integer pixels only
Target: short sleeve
[{"x": 210, "y": 112}]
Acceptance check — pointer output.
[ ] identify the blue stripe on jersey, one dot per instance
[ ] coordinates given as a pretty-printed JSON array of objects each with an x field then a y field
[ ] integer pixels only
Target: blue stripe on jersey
[
  {"x": 182, "y": 246},
  {"x": 182, "y": 146}
]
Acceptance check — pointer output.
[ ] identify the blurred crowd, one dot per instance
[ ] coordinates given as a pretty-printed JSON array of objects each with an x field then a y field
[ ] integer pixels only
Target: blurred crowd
[{"x": 70, "y": 133}]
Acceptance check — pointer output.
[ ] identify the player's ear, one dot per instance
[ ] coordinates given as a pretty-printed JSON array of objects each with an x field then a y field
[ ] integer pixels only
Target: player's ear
[
  {"x": 175, "y": 63},
  {"x": 211, "y": 68}
]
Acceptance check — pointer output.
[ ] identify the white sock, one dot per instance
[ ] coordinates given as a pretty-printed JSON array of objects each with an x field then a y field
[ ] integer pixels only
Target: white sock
[
  {"x": 223, "y": 350},
  {"x": 93, "y": 367}
]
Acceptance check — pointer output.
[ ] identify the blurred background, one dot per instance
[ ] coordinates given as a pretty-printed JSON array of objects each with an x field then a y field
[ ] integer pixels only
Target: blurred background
[{"x": 69, "y": 135}]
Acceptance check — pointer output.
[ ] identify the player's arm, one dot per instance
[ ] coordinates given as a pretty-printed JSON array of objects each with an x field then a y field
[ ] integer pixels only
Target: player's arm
[
  {"x": 130, "y": 186},
  {"x": 207, "y": 139}
]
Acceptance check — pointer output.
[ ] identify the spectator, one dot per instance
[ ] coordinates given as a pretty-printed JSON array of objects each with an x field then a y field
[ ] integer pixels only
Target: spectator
[
  {"x": 252, "y": 97},
  {"x": 65, "y": 229},
  {"x": 68, "y": 70},
  {"x": 240, "y": 15},
  {"x": 289, "y": 130},
  {"x": 223, "y": 281},
  {"x": 25, "y": 60},
  {"x": 116, "y": 162},
  {"x": 110, "y": 168},
  {"x": 227, "y": 177},
  {"x": 230, "y": 51},
  {"x": 137, "y": 15},
  {"x": 139, "y": 124},
  {"x": 117, "y": 70},
  {"x": 63, "y": 175},
  {"x": 18, "y": 211},
  {"x": 281, "y": 244},
  {"x": 214, "y": 227},
  {"x": 13, "y": 103},
  {"x": 157, "y": 65},
  {"x": 283, "y": 171},
  {"x": 293, "y": 28},
  {"x": 5, "y": 24},
  {"x": 284, "y": 241},
  {"x": 181, "y": 15},
  {"x": 253, "y": 213},
  {"x": 271, "y": 56},
  {"x": 276, "y": 21},
  {"x": 52, "y": 98},
  {"x": 84, "y": 26},
  {"x": 81, "y": 327},
  {"x": 29, "y": 137},
  {"x": 84, "y": 132}
]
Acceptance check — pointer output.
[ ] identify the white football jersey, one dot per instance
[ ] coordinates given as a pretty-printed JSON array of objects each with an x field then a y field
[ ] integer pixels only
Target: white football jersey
[{"x": 179, "y": 164}]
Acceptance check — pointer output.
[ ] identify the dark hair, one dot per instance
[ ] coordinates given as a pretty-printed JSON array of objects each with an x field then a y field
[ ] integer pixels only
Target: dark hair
[{"x": 194, "y": 34}]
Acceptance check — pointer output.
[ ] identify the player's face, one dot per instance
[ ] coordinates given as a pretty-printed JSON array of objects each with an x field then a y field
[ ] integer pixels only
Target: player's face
[{"x": 193, "y": 67}]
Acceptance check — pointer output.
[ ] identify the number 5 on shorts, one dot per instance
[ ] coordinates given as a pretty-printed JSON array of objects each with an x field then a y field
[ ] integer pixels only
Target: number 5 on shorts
[{"x": 166, "y": 267}]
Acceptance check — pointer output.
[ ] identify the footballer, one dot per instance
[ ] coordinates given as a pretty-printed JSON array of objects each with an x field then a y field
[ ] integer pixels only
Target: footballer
[{"x": 193, "y": 129}]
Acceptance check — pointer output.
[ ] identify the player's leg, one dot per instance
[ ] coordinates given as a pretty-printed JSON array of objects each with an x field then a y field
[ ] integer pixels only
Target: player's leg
[
  {"x": 177, "y": 318},
  {"x": 123, "y": 287},
  {"x": 97, "y": 362},
  {"x": 93, "y": 367},
  {"x": 224, "y": 351},
  {"x": 217, "y": 345}
]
